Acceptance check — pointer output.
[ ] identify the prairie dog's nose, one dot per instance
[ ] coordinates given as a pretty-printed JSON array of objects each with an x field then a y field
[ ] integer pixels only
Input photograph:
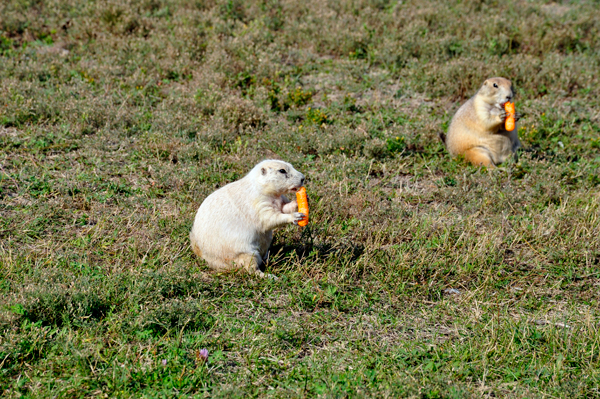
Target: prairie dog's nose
[{"x": 302, "y": 181}]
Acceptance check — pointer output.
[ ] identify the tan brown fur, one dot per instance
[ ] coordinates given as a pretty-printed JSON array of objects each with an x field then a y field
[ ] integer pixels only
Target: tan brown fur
[{"x": 477, "y": 129}]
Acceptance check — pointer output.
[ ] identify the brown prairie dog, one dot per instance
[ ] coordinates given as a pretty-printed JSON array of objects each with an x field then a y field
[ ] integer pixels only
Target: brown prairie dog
[
  {"x": 477, "y": 129},
  {"x": 234, "y": 225}
]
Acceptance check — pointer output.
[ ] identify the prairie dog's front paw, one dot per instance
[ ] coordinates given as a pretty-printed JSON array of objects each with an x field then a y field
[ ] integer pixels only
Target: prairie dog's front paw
[
  {"x": 498, "y": 112},
  {"x": 297, "y": 216},
  {"x": 290, "y": 207}
]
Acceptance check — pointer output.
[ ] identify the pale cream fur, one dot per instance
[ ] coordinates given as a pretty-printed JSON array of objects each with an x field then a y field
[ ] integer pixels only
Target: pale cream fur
[
  {"x": 477, "y": 129},
  {"x": 234, "y": 225}
]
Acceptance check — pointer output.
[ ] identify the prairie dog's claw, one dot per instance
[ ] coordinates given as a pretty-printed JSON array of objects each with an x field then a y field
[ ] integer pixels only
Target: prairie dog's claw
[
  {"x": 298, "y": 217},
  {"x": 267, "y": 275}
]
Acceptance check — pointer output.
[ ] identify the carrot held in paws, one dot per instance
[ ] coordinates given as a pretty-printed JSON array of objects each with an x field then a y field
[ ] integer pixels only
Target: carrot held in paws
[
  {"x": 302, "y": 201},
  {"x": 510, "y": 118}
]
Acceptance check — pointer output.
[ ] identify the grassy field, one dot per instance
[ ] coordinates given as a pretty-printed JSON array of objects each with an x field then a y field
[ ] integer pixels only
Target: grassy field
[{"x": 419, "y": 276}]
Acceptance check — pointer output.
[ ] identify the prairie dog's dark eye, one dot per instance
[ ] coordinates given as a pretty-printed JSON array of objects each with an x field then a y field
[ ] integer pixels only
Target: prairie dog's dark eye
[
  {"x": 282, "y": 171},
  {"x": 495, "y": 85}
]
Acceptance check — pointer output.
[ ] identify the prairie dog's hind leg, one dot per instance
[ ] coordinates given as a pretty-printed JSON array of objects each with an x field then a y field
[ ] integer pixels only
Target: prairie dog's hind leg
[
  {"x": 218, "y": 263},
  {"x": 251, "y": 262},
  {"x": 479, "y": 156}
]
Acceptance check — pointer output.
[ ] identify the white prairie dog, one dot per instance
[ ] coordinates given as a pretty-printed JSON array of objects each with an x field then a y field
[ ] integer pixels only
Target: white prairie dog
[
  {"x": 234, "y": 225},
  {"x": 477, "y": 129}
]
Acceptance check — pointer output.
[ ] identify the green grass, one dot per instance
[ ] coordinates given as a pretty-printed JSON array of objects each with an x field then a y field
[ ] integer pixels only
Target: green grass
[{"x": 118, "y": 118}]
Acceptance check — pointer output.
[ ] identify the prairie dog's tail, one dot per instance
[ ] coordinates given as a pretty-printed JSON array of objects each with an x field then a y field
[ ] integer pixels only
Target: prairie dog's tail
[{"x": 194, "y": 245}]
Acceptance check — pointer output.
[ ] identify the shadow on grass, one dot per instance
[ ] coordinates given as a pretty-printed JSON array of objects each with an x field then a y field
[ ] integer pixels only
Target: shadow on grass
[{"x": 305, "y": 249}]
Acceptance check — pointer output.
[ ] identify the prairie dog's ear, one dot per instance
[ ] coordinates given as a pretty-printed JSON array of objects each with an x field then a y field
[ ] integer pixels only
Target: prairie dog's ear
[
  {"x": 485, "y": 83},
  {"x": 263, "y": 171}
]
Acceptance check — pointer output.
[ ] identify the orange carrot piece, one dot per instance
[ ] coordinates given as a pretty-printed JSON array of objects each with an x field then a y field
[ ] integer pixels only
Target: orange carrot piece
[
  {"x": 510, "y": 118},
  {"x": 302, "y": 201}
]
